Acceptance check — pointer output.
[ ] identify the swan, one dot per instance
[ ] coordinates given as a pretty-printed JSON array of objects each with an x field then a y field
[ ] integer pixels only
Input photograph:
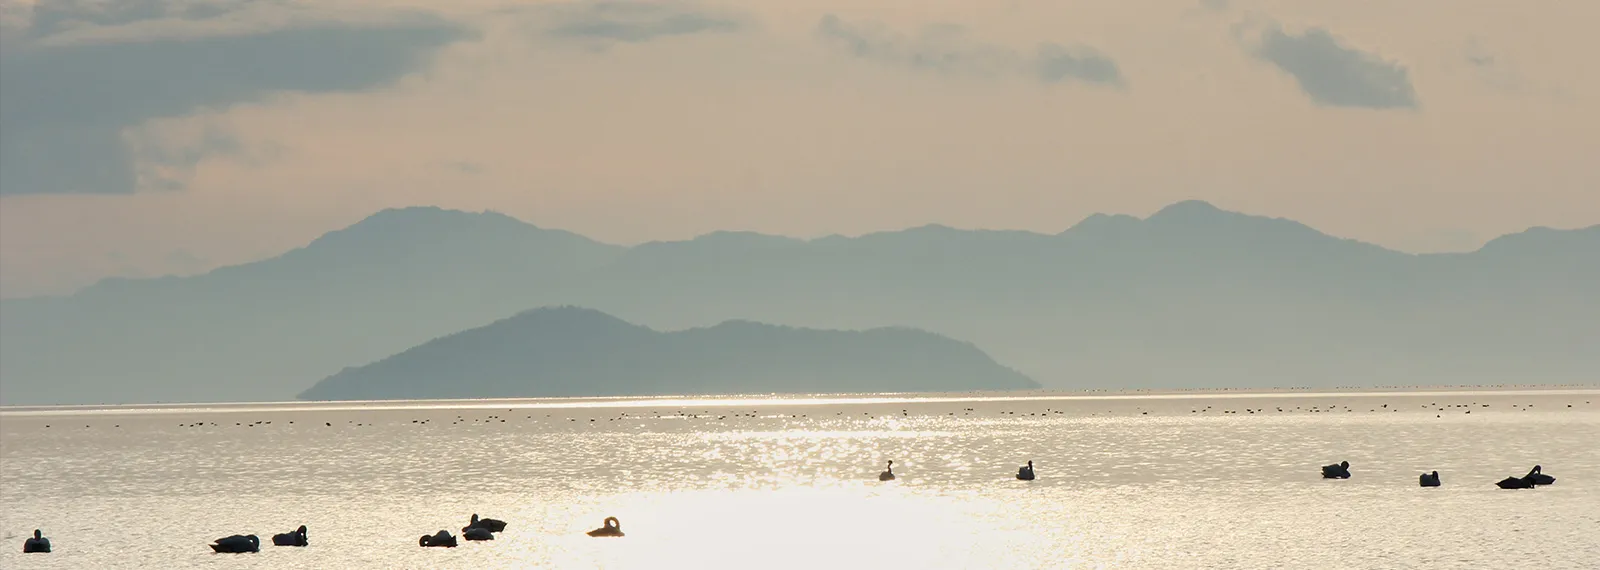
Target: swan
[
  {"x": 887, "y": 474},
  {"x": 237, "y": 543},
  {"x": 443, "y": 538},
  {"x": 36, "y": 544},
  {"x": 1515, "y": 483},
  {"x": 1429, "y": 479},
  {"x": 477, "y": 533},
  {"x": 491, "y": 525},
  {"x": 613, "y": 527},
  {"x": 296, "y": 538},
  {"x": 1537, "y": 477},
  {"x": 1026, "y": 473},
  {"x": 1340, "y": 471}
]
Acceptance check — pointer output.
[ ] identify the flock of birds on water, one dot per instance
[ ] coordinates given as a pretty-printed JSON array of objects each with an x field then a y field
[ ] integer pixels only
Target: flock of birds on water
[
  {"x": 484, "y": 529},
  {"x": 1534, "y": 478},
  {"x": 477, "y": 529}
]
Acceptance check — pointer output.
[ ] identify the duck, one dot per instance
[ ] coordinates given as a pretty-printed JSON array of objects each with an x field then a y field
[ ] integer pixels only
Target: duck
[
  {"x": 613, "y": 527},
  {"x": 237, "y": 543},
  {"x": 295, "y": 538},
  {"x": 477, "y": 533},
  {"x": 1339, "y": 471},
  {"x": 491, "y": 525},
  {"x": 443, "y": 538},
  {"x": 887, "y": 474},
  {"x": 1429, "y": 479},
  {"x": 1537, "y": 477},
  {"x": 36, "y": 544},
  {"x": 1025, "y": 472}
]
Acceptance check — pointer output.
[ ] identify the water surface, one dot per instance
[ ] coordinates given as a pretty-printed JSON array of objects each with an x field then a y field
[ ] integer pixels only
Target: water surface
[{"x": 1218, "y": 480}]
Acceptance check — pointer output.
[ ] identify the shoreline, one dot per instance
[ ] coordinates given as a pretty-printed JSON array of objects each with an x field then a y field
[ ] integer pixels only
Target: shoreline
[{"x": 789, "y": 399}]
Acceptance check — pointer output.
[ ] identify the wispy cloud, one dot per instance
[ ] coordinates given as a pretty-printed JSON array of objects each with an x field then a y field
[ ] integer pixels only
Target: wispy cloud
[
  {"x": 1335, "y": 75},
  {"x": 947, "y": 48},
  {"x": 634, "y": 22}
]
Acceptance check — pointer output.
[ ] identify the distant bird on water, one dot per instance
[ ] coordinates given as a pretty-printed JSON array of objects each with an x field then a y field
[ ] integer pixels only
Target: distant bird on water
[
  {"x": 237, "y": 543},
  {"x": 442, "y": 539},
  {"x": 491, "y": 525},
  {"x": 296, "y": 538},
  {"x": 613, "y": 527},
  {"x": 887, "y": 474},
  {"x": 1537, "y": 477},
  {"x": 477, "y": 533},
  {"x": 1429, "y": 479},
  {"x": 1515, "y": 483},
  {"x": 36, "y": 544},
  {"x": 1025, "y": 472},
  {"x": 1338, "y": 471}
]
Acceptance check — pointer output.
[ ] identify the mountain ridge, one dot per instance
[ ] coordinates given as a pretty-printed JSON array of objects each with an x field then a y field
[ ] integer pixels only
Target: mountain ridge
[
  {"x": 1200, "y": 296},
  {"x": 1181, "y": 210}
]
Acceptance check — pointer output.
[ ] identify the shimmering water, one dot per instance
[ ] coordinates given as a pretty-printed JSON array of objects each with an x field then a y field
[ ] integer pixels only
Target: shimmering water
[{"x": 1163, "y": 481}]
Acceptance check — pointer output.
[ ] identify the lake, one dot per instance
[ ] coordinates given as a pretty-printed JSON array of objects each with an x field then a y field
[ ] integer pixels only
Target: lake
[{"x": 1125, "y": 480}]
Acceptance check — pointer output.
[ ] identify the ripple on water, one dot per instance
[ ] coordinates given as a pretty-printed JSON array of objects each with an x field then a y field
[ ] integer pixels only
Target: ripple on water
[{"x": 1175, "y": 483}]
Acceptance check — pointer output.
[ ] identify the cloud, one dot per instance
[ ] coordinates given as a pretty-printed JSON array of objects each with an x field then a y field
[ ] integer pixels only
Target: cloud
[
  {"x": 74, "y": 76},
  {"x": 632, "y": 22},
  {"x": 1056, "y": 63},
  {"x": 946, "y": 48},
  {"x": 1334, "y": 75}
]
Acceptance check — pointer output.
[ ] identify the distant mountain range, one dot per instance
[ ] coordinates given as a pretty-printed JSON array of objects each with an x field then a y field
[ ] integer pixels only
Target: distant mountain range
[
  {"x": 1192, "y": 296},
  {"x": 568, "y": 351}
]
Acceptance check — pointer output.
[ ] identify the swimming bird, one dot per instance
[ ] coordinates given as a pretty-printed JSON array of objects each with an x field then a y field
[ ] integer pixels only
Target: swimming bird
[
  {"x": 296, "y": 538},
  {"x": 613, "y": 527},
  {"x": 36, "y": 544},
  {"x": 443, "y": 538},
  {"x": 477, "y": 533},
  {"x": 1340, "y": 471},
  {"x": 1515, "y": 483},
  {"x": 492, "y": 525},
  {"x": 887, "y": 474},
  {"x": 1025, "y": 473},
  {"x": 1537, "y": 477},
  {"x": 237, "y": 543},
  {"x": 1429, "y": 479}
]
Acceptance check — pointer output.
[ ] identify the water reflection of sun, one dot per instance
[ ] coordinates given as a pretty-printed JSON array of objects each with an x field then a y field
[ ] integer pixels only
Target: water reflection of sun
[{"x": 845, "y": 525}]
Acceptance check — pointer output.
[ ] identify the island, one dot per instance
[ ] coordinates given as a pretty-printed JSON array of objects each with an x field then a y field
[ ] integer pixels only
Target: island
[{"x": 571, "y": 351}]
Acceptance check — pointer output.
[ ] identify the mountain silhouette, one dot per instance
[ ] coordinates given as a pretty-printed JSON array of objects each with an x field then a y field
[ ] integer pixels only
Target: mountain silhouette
[
  {"x": 569, "y": 351},
  {"x": 266, "y": 330},
  {"x": 1191, "y": 296}
]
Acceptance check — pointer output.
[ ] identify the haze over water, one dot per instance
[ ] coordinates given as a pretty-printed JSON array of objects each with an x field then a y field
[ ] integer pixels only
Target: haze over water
[{"x": 1195, "y": 480}]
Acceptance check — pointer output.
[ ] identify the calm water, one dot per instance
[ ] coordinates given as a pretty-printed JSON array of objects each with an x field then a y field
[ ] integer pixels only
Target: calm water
[{"x": 1172, "y": 481}]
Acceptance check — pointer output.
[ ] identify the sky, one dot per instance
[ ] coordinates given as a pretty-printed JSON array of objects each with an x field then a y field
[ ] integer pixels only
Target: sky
[{"x": 153, "y": 137}]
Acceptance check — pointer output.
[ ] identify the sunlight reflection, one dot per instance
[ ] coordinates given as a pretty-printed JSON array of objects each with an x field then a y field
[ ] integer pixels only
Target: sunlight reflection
[{"x": 799, "y": 527}]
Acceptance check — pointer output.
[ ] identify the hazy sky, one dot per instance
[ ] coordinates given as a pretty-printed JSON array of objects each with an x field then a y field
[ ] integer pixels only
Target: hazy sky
[{"x": 141, "y": 137}]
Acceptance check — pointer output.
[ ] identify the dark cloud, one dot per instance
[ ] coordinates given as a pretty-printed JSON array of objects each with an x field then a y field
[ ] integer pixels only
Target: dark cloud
[
  {"x": 947, "y": 48},
  {"x": 1334, "y": 75},
  {"x": 79, "y": 75},
  {"x": 633, "y": 22},
  {"x": 1056, "y": 63}
]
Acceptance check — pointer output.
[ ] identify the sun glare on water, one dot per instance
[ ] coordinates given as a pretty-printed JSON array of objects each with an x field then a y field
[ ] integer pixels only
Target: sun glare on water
[{"x": 805, "y": 528}]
